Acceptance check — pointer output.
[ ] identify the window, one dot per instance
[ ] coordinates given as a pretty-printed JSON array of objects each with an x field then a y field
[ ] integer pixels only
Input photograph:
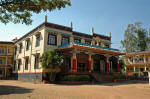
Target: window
[
  {"x": 8, "y": 50},
  {"x": 99, "y": 43},
  {"x": 67, "y": 63},
  {"x": 131, "y": 59},
  {"x": 26, "y": 63},
  {"x": 107, "y": 46},
  {"x": 14, "y": 65},
  {"x": 36, "y": 62},
  {"x": 19, "y": 64},
  {"x": 88, "y": 42},
  {"x": 15, "y": 50},
  {"x": 37, "y": 40},
  {"x": 65, "y": 40},
  {"x": 1, "y": 61},
  {"x": 1, "y": 72},
  {"x": 1, "y": 51},
  {"x": 28, "y": 44},
  {"x": 77, "y": 40},
  {"x": 52, "y": 39},
  {"x": 20, "y": 50}
]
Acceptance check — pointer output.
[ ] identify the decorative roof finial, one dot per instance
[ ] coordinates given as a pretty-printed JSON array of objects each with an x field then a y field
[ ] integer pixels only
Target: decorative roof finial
[
  {"x": 109, "y": 34},
  {"x": 71, "y": 25},
  {"x": 92, "y": 31},
  {"x": 45, "y": 18}
]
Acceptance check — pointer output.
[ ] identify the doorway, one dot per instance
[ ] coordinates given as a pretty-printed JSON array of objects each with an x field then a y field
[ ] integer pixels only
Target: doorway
[{"x": 96, "y": 66}]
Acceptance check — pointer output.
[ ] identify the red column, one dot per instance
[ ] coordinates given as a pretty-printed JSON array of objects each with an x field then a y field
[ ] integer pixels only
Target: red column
[
  {"x": 89, "y": 65},
  {"x": 90, "y": 62},
  {"x": 118, "y": 67},
  {"x": 107, "y": 67},
  {"x": 74, "y": 63},
  {"x": 74, "y": 67}
]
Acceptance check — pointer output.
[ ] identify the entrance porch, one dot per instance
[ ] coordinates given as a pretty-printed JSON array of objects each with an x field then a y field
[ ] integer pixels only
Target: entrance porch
[{"x": 83, "y": 58}]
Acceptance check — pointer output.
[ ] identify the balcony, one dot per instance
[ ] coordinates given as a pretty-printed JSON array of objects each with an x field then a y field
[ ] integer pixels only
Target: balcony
[
  {"x": 138, "y": 63},
  {"x": 5, "y": 54},
  {"x": 5, "y": 66}
]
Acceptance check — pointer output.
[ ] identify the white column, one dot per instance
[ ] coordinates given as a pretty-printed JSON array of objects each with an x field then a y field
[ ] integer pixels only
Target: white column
[
  {"x": 144, "y": 59},
  {"x": 145, "y": 68},
  {"x": 133, "y": 60},
  {"x": 134, "y": 69},
  {"x": 125, "y": 68}
]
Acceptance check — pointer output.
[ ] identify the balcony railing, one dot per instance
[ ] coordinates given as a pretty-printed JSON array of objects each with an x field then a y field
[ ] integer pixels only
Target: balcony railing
[
  {"x": 6, "y": 53},
  {"x": 2, "y": 65},
  {"x": 83, "y": 44},
  {"x": 138, "y": 62}
]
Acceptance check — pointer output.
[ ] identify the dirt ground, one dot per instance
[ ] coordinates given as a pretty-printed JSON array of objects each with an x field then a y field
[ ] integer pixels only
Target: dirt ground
[{"x": 25, "y": 90}]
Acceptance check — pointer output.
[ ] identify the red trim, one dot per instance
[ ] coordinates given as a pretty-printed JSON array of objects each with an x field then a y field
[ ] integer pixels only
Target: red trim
[
  {"x": 118, "y": 67},
  {"x": 89, "y": 62},
  {"x": 74, "y": 67},
  {"x": 107, "y": 67}
]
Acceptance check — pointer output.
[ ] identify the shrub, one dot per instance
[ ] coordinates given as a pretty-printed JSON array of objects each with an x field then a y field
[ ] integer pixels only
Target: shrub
[
  {"x": 84, "y": 78},
  {"x": 75, "y": 78},
  {"x": 119, "y": 76},
  {"x": 135, "y": 74}
]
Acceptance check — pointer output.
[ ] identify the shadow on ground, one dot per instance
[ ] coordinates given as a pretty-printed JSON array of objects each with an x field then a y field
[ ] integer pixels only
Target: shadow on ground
[
  {"x": 6, "y": 90},
  {"x": 107, "y": 84}
]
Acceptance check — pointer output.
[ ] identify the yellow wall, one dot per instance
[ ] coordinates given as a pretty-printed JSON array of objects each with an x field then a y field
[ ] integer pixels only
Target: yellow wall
[
  {"x": 7, "y": 58},
  {"x": 42, "y": 48}
]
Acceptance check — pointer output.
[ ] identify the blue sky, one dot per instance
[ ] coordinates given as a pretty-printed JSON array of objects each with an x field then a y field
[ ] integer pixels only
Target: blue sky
[{"x": 104, "y": 15}]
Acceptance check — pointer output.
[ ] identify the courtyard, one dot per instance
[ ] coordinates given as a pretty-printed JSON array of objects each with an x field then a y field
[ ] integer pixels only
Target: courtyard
[{"x": 11, "y": 89}]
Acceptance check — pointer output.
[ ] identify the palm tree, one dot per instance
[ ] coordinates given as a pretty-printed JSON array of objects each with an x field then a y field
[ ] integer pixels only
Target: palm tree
[{"x": 51, "y": 62}]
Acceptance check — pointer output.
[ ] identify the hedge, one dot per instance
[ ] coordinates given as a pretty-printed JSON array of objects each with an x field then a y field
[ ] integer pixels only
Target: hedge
[{"x": 75, "y": 78}]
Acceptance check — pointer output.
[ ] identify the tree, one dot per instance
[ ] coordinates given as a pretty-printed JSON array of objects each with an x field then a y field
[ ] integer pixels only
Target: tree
[
  {"x": 20, "y": 11},
  {"x": 52, "y": 61},
  {"x": 135, "y": 38}
]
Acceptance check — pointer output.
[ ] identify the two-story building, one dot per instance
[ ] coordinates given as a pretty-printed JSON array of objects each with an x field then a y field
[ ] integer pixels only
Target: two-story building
[
  {"x": 137, "y": 62},
  {"x": 84, "y": 53},
  {"x": 6, "y": 58}
]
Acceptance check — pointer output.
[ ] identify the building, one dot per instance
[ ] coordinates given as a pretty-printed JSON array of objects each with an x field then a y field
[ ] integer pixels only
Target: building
[
  {"x": 137, "y": 62},
  {"x": 6, "y": 58},
  {"x": 84, "y": 53}
]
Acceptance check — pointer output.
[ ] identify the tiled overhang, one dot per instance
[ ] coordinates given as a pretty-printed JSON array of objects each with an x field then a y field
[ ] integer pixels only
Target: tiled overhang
[{"x": 90, "y": 48}]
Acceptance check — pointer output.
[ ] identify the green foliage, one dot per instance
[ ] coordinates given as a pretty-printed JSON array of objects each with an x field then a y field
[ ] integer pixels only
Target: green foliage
[
  {"x": 76, "y": 78},
  {"x": 135, "y": 38},
  {"x": 119, "y": 76},
  {"x": 135, "y": 74},
  {"x": 51, "y": 59},
  {"x": 122, "y": 64},
  {"x": 20, "y": 11}
]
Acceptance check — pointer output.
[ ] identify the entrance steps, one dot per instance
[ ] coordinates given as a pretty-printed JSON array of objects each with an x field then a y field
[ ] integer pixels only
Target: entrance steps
[{"x": 102, "y": 78}]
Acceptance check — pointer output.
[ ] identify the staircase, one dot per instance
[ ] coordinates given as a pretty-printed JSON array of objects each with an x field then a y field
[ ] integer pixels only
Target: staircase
[{"x": 103, "y": 78}]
